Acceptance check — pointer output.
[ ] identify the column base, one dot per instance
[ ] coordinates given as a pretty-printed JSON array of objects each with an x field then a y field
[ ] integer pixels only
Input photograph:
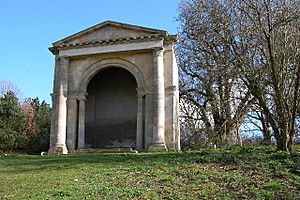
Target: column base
[
  {"x": 139, "y": 148},
  {"x": 58, "y": 150},
  {"x": 158, "y": 147}
]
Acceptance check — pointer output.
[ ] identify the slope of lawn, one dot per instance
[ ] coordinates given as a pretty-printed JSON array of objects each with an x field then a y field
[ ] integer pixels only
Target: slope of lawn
[{"x": 234, "y": 173}]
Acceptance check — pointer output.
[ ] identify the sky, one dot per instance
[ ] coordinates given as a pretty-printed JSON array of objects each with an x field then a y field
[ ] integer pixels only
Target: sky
[{"x": 28, "y": 28}]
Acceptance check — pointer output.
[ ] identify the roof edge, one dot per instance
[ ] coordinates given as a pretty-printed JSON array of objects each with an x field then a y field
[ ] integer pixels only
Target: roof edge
[{"x": 109, "y": 22}]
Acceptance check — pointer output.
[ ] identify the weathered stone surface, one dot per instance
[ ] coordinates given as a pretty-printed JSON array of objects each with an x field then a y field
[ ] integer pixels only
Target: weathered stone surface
[
  {"x": 119, "y": 84},
  {"x": 58, "y": 150}
]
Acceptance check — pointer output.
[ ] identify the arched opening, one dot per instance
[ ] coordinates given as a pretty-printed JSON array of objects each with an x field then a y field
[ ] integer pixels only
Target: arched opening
[{"x": 111, "y": 109}]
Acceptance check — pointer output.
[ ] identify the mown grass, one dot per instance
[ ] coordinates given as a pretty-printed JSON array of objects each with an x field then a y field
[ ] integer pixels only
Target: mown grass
[{"x": 234, "y": 173}]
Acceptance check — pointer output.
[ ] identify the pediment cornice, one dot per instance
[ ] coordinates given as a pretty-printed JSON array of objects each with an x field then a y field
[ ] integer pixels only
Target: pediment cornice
[{"x": 92, "y": 37}]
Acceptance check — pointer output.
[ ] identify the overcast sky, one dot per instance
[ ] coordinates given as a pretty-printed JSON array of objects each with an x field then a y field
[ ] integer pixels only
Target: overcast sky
[{"x": 27, "y": 29}]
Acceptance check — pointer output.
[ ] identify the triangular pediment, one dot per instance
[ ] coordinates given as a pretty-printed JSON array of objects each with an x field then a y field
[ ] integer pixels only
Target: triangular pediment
[{"x": 108, "y": 31}]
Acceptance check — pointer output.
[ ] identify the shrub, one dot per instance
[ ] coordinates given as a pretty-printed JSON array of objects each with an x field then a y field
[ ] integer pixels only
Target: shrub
[{"x": 11, "y": 140}]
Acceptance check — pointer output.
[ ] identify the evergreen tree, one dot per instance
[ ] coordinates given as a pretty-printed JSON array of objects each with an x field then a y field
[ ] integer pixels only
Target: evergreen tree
[
  {"x": 11, "y": 115},
  {"x": 12, "y": 124}
]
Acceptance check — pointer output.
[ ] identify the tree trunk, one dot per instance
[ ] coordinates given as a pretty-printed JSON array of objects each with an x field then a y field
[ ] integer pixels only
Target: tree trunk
[
  {"x": 266, "y": 135},
  {"x": 239, "y": 138},
  {"x": 265, "y": 130},
  {"x": 281, "y": 140},
  {"x": 290, "y": 142}
]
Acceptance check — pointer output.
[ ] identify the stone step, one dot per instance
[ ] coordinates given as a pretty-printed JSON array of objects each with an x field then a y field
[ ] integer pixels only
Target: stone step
[{"x": 107, "y": 150}]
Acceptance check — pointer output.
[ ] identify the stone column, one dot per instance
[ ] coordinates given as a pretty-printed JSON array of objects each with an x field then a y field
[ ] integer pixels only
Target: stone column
[
  {"x": 140, "y": 120},
  {"x": 148, "y": 118},
  {"x": 53, "y": 122},
  {"x": 72, "y": 123},
  {"x": 158, "y": 141},
  {"x": 81, "y": 123},
  {"x": 53, "y": 129},
  {"x": 175, "y": 81},
  {"x": 61, "y": 108}
]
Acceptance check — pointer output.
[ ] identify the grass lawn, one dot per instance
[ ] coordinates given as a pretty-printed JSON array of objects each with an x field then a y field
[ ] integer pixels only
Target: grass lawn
[{"x": 234, "y": 173}]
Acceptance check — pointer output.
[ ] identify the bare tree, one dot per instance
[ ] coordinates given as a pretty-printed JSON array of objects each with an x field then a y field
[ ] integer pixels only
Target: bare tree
[
  {"x": 272, "y": 72},
  {"x": 9, "y": 86},
  {"x": 209, "y": 79},
  {"x": 234, "y": 52}
]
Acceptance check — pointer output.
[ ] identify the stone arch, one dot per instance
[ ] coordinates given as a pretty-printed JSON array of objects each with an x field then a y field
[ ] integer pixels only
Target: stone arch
[
  {"x": 111, "y": 63},
  {"x": 96, "y": 67}
]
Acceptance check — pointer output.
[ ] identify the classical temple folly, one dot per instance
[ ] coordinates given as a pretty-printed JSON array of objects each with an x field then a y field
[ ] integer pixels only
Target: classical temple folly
[{"x": 115, "y": 86}]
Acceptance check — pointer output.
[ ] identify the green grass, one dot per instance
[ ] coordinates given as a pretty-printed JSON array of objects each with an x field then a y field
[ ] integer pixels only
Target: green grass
[{"x": 234, "y": 173}]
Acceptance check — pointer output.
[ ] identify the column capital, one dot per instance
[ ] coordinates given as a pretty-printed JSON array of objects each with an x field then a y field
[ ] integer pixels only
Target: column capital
[
  {"x": 64, "y": 61},
  {"x": 53, "y": 94},
  {"x": 65, "y": 58},
  {"x": 82, "y": 96},
  {"x": 158, "y": 51},
  {"x": 71, "y": 100},
  {"x": 171, "y": 89},
  {"x": 77, "y": 95},
  {"x": 140, "y": 92}
]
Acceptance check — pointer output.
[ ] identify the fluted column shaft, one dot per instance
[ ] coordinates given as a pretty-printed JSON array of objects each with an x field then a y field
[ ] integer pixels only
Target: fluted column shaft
[
  {"x": 158, "y": 142},
  {"x": 61, "y": 86}
]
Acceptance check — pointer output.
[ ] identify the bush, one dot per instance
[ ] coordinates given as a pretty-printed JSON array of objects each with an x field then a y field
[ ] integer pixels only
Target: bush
[
  {"x": 11, "y": 140},
  {"x": 38, "y": 143}
]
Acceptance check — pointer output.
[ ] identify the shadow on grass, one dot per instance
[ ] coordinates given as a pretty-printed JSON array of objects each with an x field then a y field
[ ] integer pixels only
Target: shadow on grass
[
  {"x": 229, "y": 156},
  {"x": 30, "y": 163}
]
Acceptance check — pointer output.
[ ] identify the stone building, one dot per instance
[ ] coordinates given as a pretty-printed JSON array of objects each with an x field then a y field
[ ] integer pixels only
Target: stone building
[{"x": 115, "y": 86}]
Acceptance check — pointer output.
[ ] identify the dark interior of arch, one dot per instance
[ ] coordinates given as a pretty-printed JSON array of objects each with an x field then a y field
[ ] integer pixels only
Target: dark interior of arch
[{"x": 111, "y": 109}]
